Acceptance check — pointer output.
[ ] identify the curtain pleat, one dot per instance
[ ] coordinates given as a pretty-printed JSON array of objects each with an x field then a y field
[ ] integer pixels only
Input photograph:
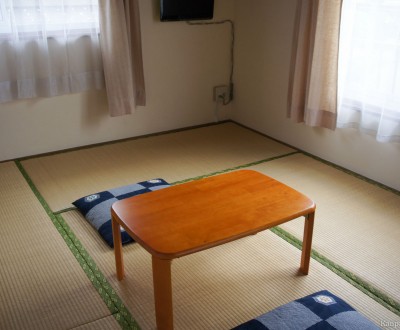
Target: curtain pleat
[
  {"x": 135, "y": 39},
  {"x": 312, "y": 96},
  {"x": 122, "y": 55}
]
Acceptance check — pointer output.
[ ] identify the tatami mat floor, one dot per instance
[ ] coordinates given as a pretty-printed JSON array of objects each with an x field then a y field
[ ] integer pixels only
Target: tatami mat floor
[
  {"x": 356, "y": 227},
  {"x": 224, "y": 286},
  {"x": 41, "y": 284},
  {"x": 64, "y": 177},
  {"x": 352, "y": 216}
]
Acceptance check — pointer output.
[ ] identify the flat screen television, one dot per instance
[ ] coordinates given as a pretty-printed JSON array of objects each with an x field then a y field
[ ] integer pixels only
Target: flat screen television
[{"x": 186, "y": 10}]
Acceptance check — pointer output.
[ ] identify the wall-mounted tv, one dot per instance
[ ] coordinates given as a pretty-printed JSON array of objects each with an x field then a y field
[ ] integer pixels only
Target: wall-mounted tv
[{"x": 186, "y": 10}]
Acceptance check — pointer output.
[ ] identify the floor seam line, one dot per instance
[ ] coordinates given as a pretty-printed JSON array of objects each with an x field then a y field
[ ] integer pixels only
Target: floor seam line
[
  {"x": 100, "y": 282},
  {"x": 95, "y": 276},
  {"x": 265, "y": 160},
  {"x": 348, "y": 276},
  {"x": 234, "y": 168},
  {"x": 351, "y": 278}
]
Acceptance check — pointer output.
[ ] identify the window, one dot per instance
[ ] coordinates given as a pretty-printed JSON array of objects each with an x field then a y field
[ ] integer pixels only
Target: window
[
  {"x": 48, "y": 47},
  {"x": 27, "y": 19},
  {"x": 369, "y": 68}
]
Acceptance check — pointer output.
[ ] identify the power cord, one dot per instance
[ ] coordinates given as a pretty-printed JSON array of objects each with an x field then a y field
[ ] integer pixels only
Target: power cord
[{"x": 230, "y": 98}]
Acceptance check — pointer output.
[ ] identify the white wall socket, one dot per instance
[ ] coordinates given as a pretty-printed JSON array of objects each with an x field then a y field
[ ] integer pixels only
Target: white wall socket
[{"x": 221, "y": 93}]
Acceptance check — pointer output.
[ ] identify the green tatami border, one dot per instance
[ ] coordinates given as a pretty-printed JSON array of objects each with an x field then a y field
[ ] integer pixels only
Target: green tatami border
[
  {"x": 235, "y": 168},
  {"x": 348, "y": 276},
  {"x": 96, "y": 277},
  {"x": 115, "y": 304},
  {"x": 326, "y": 162},
  {"x": 265, "y": 160}
]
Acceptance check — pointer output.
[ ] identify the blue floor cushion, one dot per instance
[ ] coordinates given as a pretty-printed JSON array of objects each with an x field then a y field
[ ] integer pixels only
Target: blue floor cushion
[
  {"x": 321, "y": 310},
  {"x": 96, "y": 208}
]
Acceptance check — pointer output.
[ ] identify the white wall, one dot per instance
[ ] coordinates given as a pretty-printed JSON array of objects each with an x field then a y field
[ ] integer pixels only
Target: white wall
[
  {"x": 182, "y": 63},
  {"x": 263, "y": 49}
]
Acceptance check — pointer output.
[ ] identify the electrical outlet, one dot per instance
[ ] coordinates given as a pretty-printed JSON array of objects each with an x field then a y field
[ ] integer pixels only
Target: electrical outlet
[{"x": 221, "y": 93}]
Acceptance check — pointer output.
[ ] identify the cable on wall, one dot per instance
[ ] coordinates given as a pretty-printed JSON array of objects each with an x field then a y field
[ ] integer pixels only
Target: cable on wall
[{"x": 230, "y": 98}]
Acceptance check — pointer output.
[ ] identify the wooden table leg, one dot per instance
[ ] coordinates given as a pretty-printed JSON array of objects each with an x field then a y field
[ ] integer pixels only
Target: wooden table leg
[
  {"x": 163, "y": 293},
  {"x": 119, "y": 260},
  {"x": 307, "y": 240}
]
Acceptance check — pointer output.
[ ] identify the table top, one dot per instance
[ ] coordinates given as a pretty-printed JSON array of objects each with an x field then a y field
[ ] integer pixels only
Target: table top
[{"x": 201, "y": 214}]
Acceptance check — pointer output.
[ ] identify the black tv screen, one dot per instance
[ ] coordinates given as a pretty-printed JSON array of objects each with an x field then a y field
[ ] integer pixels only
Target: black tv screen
[{"x": 185, "y": 10}]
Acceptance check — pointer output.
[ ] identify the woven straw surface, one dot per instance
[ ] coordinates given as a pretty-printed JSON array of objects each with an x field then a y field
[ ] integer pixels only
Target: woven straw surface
[
  {"x": 224, "y": 286},
  {"x": 64, "y": 177},
  {"x": 42, "y": 286},
  {"x": 357, "y": 226},
  {"x": 357, "y": 223}
]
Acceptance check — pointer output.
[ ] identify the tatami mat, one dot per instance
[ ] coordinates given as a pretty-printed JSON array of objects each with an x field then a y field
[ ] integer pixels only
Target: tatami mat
[
  {"x": 224, "y": 286},
  {"x": 357, "y": 224},
  {"x": 107, "y": 323},
  {"x": 63, "y": 178},
  {"x": 42, "y": 286}
]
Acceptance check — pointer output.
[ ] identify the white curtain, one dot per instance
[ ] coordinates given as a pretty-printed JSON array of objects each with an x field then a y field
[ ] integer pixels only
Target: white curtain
[
  {"x": 48, "y": 48},
  {"x": 369, "y": 68}
]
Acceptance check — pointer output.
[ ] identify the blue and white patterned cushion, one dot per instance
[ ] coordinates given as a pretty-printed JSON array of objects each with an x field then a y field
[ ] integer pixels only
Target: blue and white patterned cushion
[
  {"x": 96, "y": 208},
  {"x": 321, "y": 310}
]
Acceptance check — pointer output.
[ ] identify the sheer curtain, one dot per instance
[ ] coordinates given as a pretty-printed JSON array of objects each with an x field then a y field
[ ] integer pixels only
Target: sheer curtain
[
  {"x": 312, "y": 96},
  {"x": 48, "y": 48},
  {"x": 369, "y": 75}
]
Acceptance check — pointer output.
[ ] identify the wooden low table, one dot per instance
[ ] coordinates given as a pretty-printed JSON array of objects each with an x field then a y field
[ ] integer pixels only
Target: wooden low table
[{"x": 194, "y": 216}]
